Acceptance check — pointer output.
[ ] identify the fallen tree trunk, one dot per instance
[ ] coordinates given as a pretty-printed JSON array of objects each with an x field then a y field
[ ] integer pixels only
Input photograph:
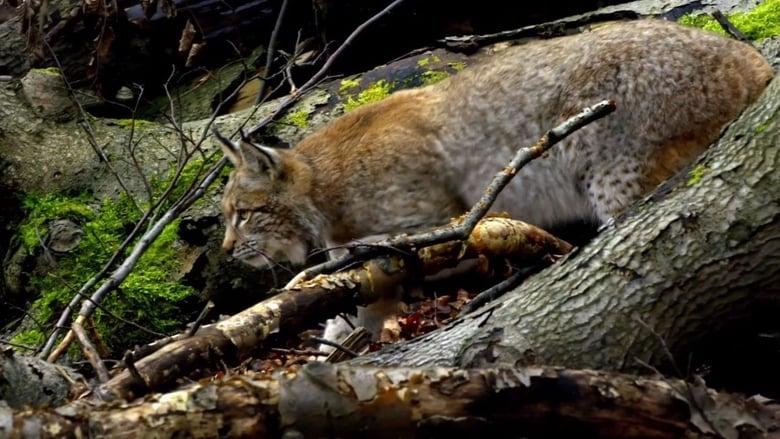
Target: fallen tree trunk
[
  {"x": 320, "y": 400},
  {"x": 700, "y": 253}
]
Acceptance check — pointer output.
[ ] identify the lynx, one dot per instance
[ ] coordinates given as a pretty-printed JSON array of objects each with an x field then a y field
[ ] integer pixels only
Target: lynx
[{"x": 422, "y": 156}]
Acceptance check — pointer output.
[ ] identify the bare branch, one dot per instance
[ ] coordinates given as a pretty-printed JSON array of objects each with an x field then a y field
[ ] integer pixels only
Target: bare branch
[
  {"x": 461, "y": 229},
  {"x": 269, "y": 58},
  {"x": 729, "y": 27},
  {"x": 91, "y": 353},
  {"x": 314, "y": 80}
]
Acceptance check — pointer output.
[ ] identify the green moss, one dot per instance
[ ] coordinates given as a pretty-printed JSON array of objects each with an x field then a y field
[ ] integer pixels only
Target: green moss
[
  {"x": 761, "y": 22},
  {"x": 457, "y": 65},
  {"x": 348, "y": 84},
  {"x": 299, "y": 118},
  {"x": 49, "y": 71},
  {"x": 30, "y": 337},
  {"x": 373, "y": 93},
  {"x": 138, "y": 123},
  {"x": 696, "y": 175},
  {"x": 433, "y": 76},
  {"x": 152, "y": 294},
  {"x": 702, "y": 21},
  {"x": 760, "y": 128},
  {"x": 424, "y": 62}
]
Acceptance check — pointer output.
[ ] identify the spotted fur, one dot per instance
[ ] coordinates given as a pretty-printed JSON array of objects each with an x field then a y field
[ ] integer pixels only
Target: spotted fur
[{"x": 422, "y": 156}]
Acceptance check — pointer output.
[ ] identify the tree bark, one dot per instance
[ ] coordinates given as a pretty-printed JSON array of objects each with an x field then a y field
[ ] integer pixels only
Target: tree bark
[
  {"x": 322, "y": 400},
  {"x": 701, "y": 252}
]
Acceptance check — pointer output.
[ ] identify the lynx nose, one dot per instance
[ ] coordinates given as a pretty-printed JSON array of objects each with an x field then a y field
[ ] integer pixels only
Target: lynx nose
[{"x": 229, "y": 242}]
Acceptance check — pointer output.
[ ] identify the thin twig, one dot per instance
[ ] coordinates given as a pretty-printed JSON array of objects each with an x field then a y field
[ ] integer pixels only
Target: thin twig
[
  {"x": 148, "y": 349},
  {"x": 131, "y": 150},
  {"x": 463, "y": 227},
  {"x": 16, "y": 345},
  {"x": 91, "y": 353},
  {"x": 88, "y": 129},
  {"x": 335, "y": 345},
  {"x": 201, "y": 317},
  {"x": 269, "y": 58},
  {"x": 129, "y": 360},
  {"x": 311, "y": 352},
  {"x": 357, "y": 340},
  {"x": 729, "y": 27}
]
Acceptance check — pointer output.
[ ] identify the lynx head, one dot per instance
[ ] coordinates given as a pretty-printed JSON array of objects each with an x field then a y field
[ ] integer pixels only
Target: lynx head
[{"x": 269, "y": 214}]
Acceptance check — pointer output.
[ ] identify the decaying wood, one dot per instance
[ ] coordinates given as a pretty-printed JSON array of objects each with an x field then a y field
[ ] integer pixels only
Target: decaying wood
[
  {"x": 309, "y": 302},
  {"x": 322, "y": 400}
]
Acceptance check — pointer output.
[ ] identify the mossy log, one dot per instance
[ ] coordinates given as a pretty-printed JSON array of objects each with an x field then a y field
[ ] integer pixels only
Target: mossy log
[{"x": 322, "y": 400}]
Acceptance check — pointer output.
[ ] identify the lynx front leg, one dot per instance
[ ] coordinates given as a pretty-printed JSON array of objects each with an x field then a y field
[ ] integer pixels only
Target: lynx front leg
[{"x": 371, "y": 317}]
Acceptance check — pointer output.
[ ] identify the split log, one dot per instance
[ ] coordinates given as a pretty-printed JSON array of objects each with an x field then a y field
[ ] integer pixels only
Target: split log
[
  {"x": 307, "y": 303},
  {"x": 319, "y": 400}
]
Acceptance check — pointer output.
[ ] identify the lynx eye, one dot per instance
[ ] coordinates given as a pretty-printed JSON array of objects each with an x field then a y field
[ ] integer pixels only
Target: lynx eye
[{"x": 244, "y": 214}]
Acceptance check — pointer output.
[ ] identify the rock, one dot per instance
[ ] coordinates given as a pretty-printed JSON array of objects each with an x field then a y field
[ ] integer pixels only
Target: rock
[
  {"x": 47, "y": 93},
  {"x": 64, "y": 236}
]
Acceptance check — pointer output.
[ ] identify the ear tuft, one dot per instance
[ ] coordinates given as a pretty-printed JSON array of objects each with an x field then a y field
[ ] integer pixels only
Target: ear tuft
[{"x": 231, "y": 150}]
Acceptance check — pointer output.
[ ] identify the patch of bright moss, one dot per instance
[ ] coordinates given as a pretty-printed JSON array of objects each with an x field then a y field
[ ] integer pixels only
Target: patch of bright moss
[
  {"x": 457, "y": 65},
  {"x": 696, "y": 175},
  {"x": 761, "y": 22},
  {"x": 299, "y": 118},
  {"x": 373, "y": 93},
  {"x": 424, "y": 62},
  {"x": 433, "y": 76},
  {"x": 29, "y": 338},
  {"x": 760, "y": 128},
  {"x": 137, "y": 123},
  {"x": 151, "y": 295},
  {"x": 50, "y": 71},
  {"x": 348, "y": 84}
]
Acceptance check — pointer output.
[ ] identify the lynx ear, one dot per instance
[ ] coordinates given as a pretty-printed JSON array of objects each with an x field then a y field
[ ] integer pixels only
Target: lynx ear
[
  {"x": 260, "y": 158},
  {"x": 231, "y": 149}
]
